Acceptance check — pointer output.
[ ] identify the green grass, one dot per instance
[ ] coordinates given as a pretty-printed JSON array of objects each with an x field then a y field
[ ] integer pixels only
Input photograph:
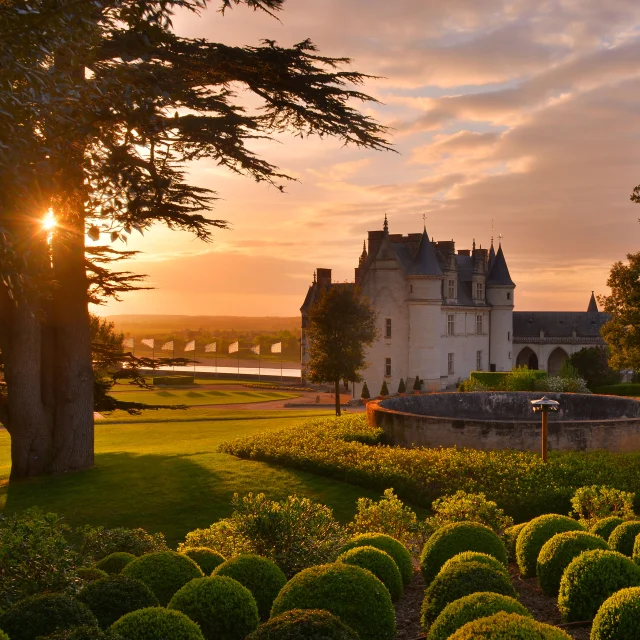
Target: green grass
[
  {"x": 161, "y": 471},
  {"x": 193, "y": 396}
]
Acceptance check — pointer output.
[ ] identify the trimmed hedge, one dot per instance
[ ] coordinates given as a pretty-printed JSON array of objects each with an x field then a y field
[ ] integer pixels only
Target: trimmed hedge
[
  {"x": 623, "y": 537},
  {"x": 380, "y": 563},
  {"x": 224, "y": 609},
  {"x": 157, "y": 623},
  {"x": 604, "y": 528},
  {"x": 310, "y": 624},
  {"x": 499, "y": 380},
  {"x": 110, "y": 598},
  {"x": 621, "y": 389},
  {"x": 459, "y": 581},
  {"x": 533, "y": 536},
  {"x": 174, "y": 381},
  {"x": 472, "y": 607},
  {"x": 508, "y": 626},
  {"x": 393, "y": 547},
  {"x": 510, "y": 538},
  {"x": 352, "y": 594},
  {"x": 164, "y": 572},
  {"x": 261, "y": 576},
  {"x": 81, "y": 633},
  {"x": 619, "y": 616},
  {"x": 43, "y": 615},
  {"x": 590, "y": 579},
  {"x": 558, "y": 552},
  {"x": 474, "y": 556},
  {"x": 455, "y": 538},
  {"x": 207, "y": 559},
  {"x": 91, "y": 574},
  {"x": 114, "y": 563}
]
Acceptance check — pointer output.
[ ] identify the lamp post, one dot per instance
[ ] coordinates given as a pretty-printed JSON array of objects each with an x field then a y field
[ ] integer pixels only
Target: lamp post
[{"x": 544, "y": 406}]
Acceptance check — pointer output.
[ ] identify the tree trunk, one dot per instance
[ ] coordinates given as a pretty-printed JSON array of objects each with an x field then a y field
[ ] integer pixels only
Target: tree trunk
[{"x": 338, "y": 397}]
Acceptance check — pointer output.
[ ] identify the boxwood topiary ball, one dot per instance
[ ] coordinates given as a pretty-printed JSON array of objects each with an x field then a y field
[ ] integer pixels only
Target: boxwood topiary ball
[
  {"x": 380, "y": 563},
  {"x": 164, "y": 572},
  {"x": 110, "y": 598},
  {"x": 623, "y": 537},
  {"x": 386, "y": 543},
  {"x": 90, "y": 574},
  {"x": 461, "y": 580},
  {"x": 619, "y": 616},
  {"x": 310, "y": 624},
  {"x": 510, "y": 537},
  {"x": 533, "y": 536},
  {"x": 590, "y": 579},
  {"x": 455, "y": 538},
  {"x": 472, "y": 607},
  {"x": 558, "y": 552},
  {"x": 351, "y": 593},
  {"x": 156, "y": 623},
  {"x": 604, "y": 528},
  {"x": 261, "y": 576},
  {"x": 83, "y": 633},
  {"x": 508, "y": 625},
  {"x": 224, "y": 609},
  {"x": 207, "y": 559},
  {"x": 44, "y": 615},
  {"x": 474, "y": 556},
  {"x": 114, "y": 563}
]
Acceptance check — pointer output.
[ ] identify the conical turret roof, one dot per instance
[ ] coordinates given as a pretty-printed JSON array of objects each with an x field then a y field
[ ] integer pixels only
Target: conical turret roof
[
  {"x": 492, "y": 256},
  {"x": 499, "y": 272},
  {"x": 593, "y": 305},
  {"x": 425, "y": 262}
]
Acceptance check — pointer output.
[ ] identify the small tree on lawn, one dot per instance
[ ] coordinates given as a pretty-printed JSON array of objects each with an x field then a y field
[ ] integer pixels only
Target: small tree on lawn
[
  {"x": 417, "y": 385},
  {"x": 384, "y": 390},
  {"x": 402, "y": 387},
  {"x": 341, "y": 325},
  {"x": 365, "y": 395}
]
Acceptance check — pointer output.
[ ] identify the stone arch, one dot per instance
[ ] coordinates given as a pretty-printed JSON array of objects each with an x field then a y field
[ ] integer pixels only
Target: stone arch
[
  {"x": 527, "y": 358},
  {"x": 556, "y": 359}
]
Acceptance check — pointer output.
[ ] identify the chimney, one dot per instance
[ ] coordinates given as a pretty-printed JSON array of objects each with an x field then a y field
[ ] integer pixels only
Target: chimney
[
  {"x": 324, "y": 277},
  {"x": 375, "y": 240}
]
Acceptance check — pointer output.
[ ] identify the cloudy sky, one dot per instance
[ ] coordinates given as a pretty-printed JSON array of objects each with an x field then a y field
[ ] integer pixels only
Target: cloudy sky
[{"x": 524, "y": 112}]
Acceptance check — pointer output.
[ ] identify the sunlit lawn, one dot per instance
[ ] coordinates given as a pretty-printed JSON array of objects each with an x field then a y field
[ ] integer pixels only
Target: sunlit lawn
[
  {"x": 195, "y": 396},
  {"x": 160, "y": 471}
]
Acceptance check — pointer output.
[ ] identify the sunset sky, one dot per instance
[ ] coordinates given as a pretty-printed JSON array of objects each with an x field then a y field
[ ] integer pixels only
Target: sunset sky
[{"x": 522, "y": 111}]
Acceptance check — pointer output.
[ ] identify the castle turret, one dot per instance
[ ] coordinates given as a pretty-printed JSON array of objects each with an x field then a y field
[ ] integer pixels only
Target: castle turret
[
  {"x": 593, "y": 305},
  {"x": 500, "y": 289}
]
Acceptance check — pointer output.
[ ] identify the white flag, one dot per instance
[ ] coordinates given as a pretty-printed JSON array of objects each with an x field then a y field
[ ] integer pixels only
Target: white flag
[
  {"x": 233, "y": 347},
  {"x": 190, "y": 346},
  {"x": 168, "y": 346},
  {"x": 276, "y": 348},
  {"x": 129, "y": 342},
  {"x": 256, "y": 349},
  {"x": 149, "y": 342},
  {"x": 212, "y": 347}
]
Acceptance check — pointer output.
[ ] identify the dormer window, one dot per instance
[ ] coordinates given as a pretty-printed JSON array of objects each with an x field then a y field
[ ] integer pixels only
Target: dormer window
[
  {"x": 479, "y": 291},
  {"x": 451, "y": 289},
  {"x": 387, "y": 328}
]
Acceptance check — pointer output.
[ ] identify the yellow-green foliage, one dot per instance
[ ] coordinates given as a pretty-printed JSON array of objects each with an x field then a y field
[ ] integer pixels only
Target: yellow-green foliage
[
  {"x": 474, "y": 556},
  {"x": 619, "y": 616},
  {"x": 604, "y": 528},
  {"x": 303, "y": 624},
  {"x": 510, "y": 537},
  {"x": 508, "y": 626},
  {"x": 380, "y": 563},
  {"x": 156, "y": 623},
  {"x": 623, "y": 537},
  {"x": 207, "y": 559},
  {"x": 469, "y": 507},
  {"x": 114, "y": 563},
  {"x": 594, "y": 503}
]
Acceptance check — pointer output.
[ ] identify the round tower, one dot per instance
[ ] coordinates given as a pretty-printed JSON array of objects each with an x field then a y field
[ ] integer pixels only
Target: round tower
[{"x": 500, "y": 295}]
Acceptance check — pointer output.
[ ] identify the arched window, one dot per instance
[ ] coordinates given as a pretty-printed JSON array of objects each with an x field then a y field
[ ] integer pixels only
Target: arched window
[
  {"x": 527, "y": 358},
  {"x": 556, "y": 360}
]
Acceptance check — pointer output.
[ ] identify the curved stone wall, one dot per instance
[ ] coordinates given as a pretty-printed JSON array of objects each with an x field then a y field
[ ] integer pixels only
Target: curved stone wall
[{"x": 502, "y": 420}]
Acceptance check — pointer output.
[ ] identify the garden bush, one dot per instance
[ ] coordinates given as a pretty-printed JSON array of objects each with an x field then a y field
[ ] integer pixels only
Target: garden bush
[
  {"x": 384, "y": 389},
  {"x": 510, "y": 538},
  {"x": 224, "y": 609},
  {"x": 206, "y": 559},
  {"x": 619, "y": 616},
  {"x": 98, "y": 542},
  {"x": 417, "y": 384},
  {"x": 590, "y": 579},
  {"x": 558, "y": 552},
  {"x": 469, "y": 507},
  {"x": 461, "y": 580},
  {"x": 532, "y": 538},
  {"x": 261, "y": 576},
  {"x": 307, "y": 624},
  {"x": 622, "y": 389},
  {"x": 352, "y": 594},
  {"x": 594, "y": 503},
  {"x": 110, "y": 598},
  {"x": 472, "y": 607},
  {"x": 623, "y": 537},
  {"x": 604, "y": 528},
  {"x": 3, "y": 635},
  {"x": 114, "y": 563},
  {"x": 90, "y": 574},
  {"x": 157, "y": 623},
  {"x": 508, "y": 626},
  {"x": 365, "y": 394},
  {"x": 386, "y": 543},
  {"x": 402, "y": 387},
  {"x": 475, "y": 556},
  {"x": 222, "y": 537},
  {"x": 455, "y": 538},
  {"x": 43, "y": 615},
  {"x": 82, "y": 633},
  {"x": 164, "y": 572},
  {"x": 380, "y": 563}
]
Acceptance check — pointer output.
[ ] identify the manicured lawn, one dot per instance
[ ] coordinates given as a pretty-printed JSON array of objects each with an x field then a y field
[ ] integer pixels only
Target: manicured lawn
[
  {"x": 161, "y": 471},
  {"x": 194, "y": 396}
]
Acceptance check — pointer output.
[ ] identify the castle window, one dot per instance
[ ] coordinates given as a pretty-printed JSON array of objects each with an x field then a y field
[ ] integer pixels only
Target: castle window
[
  {"x": 450, "y": 369},
  {"x": 478, "y": 360},
  {"x": 509, "y": 355},
  {"x": 509, "y": 336},
  {"x": 387, "y": 328},
  {"x": 451, "y": 324},
  {"x": 479, "y": 291},
  {"x": 479, "y": 324},
  {"x": 387, "y": 367},
  {"x": 508, "y": 295},
  {"x": 452, "y": 289},
  {"x": 410, "y": 288}
]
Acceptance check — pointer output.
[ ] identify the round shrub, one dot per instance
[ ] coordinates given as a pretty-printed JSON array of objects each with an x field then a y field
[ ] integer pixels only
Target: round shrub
[
  {"x": 83, "y": 633},
  {"x": 623, "y": 537},
  {"x": 385, "y": 543},
  {"x": 224, "y": 609},
  {"x": 352, "y": 594},
  {"x": 508, "y": 626},
  {"x": 604, "y": 528},
  {"x": 164, "y": 572},
  {"x": 533, "y": 536},
  {"x": 472, "y": 607},
  {"x": 110, "y": 598},
  {"x": 510, "y": 537},
  {"x": 310, "y": 624},
  {"x": 156, "y": 623},
  {"x": 115, "y": 562},
  {"x": 90, "y": 574},
  {"x": 619, "y": 616},
  {"x": 455, "y": 538},
  {"x": 558, "y": 552},
  {"x": 261, "y": 576},
  {"x": 380, "y": 563},
  {"x": 44, "y": 615},
  {"x": 474, "y": 556},
  {"x": 590, "y": 579},
  {"x": 461, "y": 580},
  {"x": 207, "y": 559}
]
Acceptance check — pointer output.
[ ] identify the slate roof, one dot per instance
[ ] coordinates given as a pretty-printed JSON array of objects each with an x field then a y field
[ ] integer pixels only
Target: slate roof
[
  {"x": 558, "y": 324},
  {"x": 499, "y": 273},
  {"x": 314, "y": 290},
  {"x": 593, "y": 306},
  {"x": 425, "y": 262}
]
